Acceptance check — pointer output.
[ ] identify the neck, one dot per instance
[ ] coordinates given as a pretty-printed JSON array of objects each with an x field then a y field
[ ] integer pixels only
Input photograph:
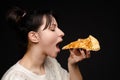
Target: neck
[{"x": 34, "y": 60}]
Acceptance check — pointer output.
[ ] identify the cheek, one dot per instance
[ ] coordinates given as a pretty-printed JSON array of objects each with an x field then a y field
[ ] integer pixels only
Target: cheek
[{"x": 49, "y": 39}]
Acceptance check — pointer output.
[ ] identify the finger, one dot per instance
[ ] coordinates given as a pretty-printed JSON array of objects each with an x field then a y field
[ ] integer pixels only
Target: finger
[
  {"x": 88, "y": 54},
  {"x": 75, "y": 52},
  {"x": 82, "y": 53},
  {"x": 71, "y": 52}
]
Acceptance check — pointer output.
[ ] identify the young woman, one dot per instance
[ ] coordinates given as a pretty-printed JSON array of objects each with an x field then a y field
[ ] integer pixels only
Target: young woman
[{"x": 42, "y": 36}]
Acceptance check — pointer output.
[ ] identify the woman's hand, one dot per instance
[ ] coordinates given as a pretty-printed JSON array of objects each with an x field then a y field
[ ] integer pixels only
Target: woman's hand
[{"x": 77, "y": 55}]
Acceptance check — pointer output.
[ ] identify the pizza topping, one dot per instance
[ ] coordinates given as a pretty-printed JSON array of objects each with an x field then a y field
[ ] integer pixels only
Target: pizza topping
[{"x": 89, "y": 43}]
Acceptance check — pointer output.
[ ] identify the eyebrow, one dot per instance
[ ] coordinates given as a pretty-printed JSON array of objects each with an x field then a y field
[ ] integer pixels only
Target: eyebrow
[{"x": 54, "y": 24}]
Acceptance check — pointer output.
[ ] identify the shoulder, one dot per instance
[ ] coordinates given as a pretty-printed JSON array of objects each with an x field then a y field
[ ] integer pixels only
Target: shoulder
[
  {"x": 13, "y": 73},
  {"x": 13, "y": 76}
]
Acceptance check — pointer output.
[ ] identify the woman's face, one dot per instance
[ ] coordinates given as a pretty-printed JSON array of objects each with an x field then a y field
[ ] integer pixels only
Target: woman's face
[{"x": 50, "y": 38}]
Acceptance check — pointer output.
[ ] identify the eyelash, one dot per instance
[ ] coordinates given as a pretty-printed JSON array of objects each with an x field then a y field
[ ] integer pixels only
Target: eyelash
[{"x": 52, "y": 29}]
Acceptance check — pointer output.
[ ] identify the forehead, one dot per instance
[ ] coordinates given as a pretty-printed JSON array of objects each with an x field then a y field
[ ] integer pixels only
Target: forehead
[
  {"x": 47, "y": 21},
  {"x": 54, "y": 20}
]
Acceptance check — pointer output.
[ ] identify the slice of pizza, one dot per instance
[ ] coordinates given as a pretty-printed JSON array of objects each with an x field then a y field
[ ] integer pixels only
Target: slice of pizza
[{"x": 90, "y": 43}]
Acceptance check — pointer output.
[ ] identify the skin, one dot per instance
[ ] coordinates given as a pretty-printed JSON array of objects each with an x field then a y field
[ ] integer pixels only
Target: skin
[
  {"x": 43, "y": 43},
  {"x": 76, "y": 56}
]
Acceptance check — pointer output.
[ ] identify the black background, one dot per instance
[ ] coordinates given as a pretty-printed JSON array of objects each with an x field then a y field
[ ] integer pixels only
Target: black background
[{"x": 77, "y": 19}]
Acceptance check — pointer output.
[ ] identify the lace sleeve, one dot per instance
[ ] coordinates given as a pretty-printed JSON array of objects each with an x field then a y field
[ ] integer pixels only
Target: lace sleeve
[{"x": 14, "y": 75}]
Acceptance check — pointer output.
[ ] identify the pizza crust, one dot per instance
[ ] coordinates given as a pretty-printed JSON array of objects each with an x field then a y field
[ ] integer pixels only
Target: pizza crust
[{"x": 90, "y": 43}]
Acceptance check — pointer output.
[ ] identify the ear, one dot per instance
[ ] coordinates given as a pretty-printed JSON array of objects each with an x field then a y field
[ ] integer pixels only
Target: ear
[{"x": 33, "y": 36}]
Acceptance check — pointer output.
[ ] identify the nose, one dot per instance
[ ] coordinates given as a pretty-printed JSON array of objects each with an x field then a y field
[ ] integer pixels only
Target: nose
[{"x": 60, "y": 33}]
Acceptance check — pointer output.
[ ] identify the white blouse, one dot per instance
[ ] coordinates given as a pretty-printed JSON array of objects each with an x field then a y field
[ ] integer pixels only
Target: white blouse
[{"x": 53, "y": 71}]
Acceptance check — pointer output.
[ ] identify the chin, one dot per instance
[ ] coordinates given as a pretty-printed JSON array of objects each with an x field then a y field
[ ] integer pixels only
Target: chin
[{"x": 53, "y": 56}]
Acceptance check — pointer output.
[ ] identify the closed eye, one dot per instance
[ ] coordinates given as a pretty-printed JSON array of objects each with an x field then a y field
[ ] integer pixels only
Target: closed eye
[{"x": 52, "y": 27}]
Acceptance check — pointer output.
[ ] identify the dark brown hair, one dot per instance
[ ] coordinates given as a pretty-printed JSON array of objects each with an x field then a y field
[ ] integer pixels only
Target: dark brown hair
[{"x": 25, "y": 21}]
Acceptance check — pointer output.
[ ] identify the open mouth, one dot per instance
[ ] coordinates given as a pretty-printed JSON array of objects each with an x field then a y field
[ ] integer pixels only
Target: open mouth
[{"x": 58, "y": 45}]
